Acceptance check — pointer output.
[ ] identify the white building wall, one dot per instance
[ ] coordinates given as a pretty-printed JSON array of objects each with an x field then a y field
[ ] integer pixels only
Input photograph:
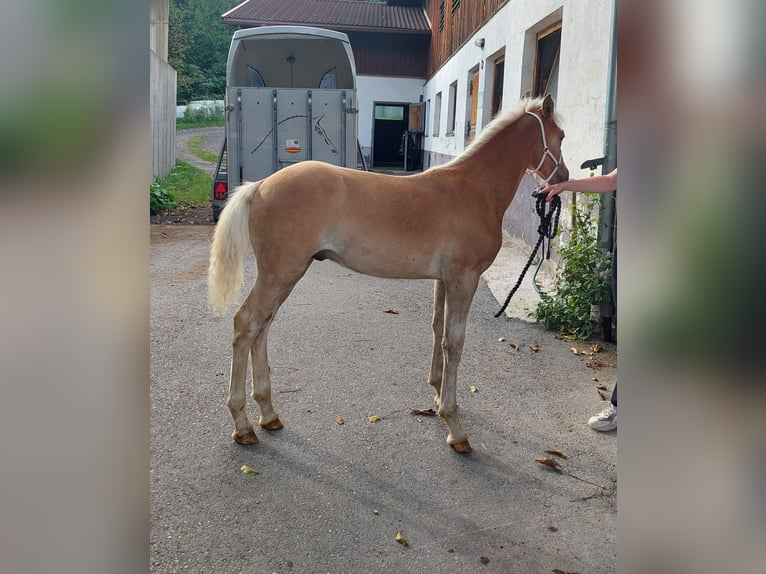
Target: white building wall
[
  {"x": 583, "y": 73},
  {"x": 580, "y": 99},
  {"x": 370, "y": 89}
]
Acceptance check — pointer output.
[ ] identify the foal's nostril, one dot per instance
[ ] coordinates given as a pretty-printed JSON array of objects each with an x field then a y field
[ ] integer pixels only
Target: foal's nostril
[{"x": 562, "y": 174}]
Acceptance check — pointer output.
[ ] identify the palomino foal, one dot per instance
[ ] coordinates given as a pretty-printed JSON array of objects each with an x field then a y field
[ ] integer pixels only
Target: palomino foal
[{"x": 443, "y": 224}]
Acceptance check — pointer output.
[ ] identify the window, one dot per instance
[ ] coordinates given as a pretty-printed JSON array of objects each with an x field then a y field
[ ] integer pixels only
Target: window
[
  {"x": 472, "y": 105},
  {"x": 328, "y": 80},
  {"x": 394, "y": 113},
  {"x": 254, "y": 78},
  {"x": 452, "y": 108},
  {"x": 497, "y": 87},
  {"x": 437, "y": 112},
  {"x": 426, "y": 107},
  {"x": 441, "y": 15},
  {"x": 547, "y": 49}
]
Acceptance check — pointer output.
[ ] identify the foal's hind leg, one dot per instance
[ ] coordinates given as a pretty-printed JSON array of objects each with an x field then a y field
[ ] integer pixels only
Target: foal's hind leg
[
  {"x": 251, "y": 324},
  {"x": 245, "y": 331},
  {"x": 269, "y": 419},
  {"x": 437, "y": 356}
]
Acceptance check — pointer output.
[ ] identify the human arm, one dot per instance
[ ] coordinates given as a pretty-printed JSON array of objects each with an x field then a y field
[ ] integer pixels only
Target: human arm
[{"x": 596, "y": 184}]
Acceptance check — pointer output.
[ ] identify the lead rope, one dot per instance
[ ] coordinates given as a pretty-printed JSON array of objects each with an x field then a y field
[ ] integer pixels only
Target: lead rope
[{"x": 549, "y": 226}]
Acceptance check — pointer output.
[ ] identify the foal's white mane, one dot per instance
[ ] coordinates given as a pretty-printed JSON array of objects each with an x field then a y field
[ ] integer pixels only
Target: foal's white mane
[{"x": 504, "y": 119}]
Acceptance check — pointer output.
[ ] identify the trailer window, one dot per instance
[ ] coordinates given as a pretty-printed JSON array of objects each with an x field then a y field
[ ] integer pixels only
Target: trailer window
[
  {"x": 328, "y": 80},
  {"x": 254, "y": 78}
]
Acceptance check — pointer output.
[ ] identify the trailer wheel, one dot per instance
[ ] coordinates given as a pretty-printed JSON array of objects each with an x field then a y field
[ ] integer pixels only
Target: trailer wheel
[{"x": 216, "y": 213}]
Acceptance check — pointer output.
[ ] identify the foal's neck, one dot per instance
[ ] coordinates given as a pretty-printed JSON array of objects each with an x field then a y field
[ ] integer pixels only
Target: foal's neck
[{"x": 497, "y": 165}]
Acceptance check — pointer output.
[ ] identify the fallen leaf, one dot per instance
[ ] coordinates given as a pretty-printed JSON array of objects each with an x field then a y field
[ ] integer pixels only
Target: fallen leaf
[
  {"x": 419, "y": 420},
  {"x": 427, "y": 412},
  {"x": 534, "y": 348},
  {"x": 484, "y": 560},
  {"x": 549, "y": 462},
  {"x": 556, "y": 452},
  {"x": 501, "y": 339},
  {"x": 339, "y": 420},
  {"x": 392, "y": 311},
  {"x": 574, "y": 350},
  {"x": 248, "y": 470},
  {"x": 601, "y": 387},
  {"x": 514, "y": 346},
  {"x": 598, "y": 363},
  {"x": 401, "y": 539},
  {"x": 373, "y": 418},
  {"x": 473, "y": 389},
  {"x": 596, "y": 348},
  {"x": 600, "y": 394}
]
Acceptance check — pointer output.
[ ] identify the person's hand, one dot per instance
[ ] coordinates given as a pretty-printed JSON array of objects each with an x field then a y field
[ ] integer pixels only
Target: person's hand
[{"x": 553, "y": 190}]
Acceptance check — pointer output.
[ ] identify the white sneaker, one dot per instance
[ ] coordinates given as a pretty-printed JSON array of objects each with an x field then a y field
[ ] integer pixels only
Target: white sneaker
[{"x": 604, "y": 421}]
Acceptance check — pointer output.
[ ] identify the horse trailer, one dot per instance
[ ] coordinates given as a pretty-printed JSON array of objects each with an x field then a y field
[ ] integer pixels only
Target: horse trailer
[{"x": 290, "y": 97}]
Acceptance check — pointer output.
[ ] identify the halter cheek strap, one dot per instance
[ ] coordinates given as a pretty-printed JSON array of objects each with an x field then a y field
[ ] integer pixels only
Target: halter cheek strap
[{"x": 546, "y": 153}]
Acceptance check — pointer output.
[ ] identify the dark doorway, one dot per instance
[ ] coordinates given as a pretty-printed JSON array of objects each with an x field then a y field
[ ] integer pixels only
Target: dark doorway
[{"x": 390, "y": 122}]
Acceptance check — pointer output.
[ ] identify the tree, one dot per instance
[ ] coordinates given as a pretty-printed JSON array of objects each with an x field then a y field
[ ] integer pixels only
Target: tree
[{"x": 198, "y": 45}]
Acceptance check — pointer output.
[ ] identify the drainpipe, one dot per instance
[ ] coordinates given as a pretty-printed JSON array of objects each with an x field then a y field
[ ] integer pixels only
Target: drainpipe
[{"x": 607, "y": 210}]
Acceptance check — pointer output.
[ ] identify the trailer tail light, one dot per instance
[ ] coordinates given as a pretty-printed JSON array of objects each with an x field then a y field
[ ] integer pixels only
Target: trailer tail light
[{"x": 220, "y": 191}]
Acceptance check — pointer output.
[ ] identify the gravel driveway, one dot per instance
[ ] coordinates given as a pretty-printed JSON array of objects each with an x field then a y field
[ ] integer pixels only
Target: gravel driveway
[{"x": 212, "y": 142}]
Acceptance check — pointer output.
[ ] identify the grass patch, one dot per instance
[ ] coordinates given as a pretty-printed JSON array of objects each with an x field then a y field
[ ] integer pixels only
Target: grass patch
[
  {"x": 194, "y": 144},
  {"x": 189, "y": 185},
  {"x": 184, "y": 125}
]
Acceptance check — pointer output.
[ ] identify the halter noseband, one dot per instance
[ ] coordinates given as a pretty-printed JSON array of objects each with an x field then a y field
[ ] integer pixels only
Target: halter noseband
[{"x": 546, "y": 153}]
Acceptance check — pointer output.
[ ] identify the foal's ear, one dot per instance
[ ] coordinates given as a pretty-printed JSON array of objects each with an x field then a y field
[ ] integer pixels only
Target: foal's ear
[
  {"x": 547, "y": 107},
  {"x": 526, "y": 95}
]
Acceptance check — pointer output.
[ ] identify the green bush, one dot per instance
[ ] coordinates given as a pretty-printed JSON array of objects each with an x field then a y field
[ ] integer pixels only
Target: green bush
[
  {"x": 160, "y": 199},
  {"x": 584, "y": 279},
  {"x": 203, "y": 115}
]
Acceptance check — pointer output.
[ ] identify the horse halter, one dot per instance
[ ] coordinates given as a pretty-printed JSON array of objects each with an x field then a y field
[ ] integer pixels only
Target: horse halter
[{"x": 546, "y": 153}]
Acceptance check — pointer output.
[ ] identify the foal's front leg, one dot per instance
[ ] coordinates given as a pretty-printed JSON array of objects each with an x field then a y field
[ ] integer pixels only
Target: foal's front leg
[
  {"x": 459, "y": 294},
  {"x": 437, "y": 356}
]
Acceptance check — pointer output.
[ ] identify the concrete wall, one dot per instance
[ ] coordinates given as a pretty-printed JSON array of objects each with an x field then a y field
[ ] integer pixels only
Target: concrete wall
[
  {"x": 159, "y": 13},
  {"x": 581, "y": 94},
  {"x": 162, "y": 114}
]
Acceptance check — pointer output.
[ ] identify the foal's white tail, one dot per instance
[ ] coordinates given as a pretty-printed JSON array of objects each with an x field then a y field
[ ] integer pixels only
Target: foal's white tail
[{"x": 231, "y": 238}]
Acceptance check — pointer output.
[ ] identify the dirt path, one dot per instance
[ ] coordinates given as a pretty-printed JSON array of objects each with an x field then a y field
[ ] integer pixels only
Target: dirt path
[{"x": 212, "y": 142}]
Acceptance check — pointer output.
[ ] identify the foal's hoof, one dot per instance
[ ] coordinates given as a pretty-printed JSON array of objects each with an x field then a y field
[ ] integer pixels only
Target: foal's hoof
[
  {"x": 247, "y": 437},
  {"x": 462, "y": 447},
  {"x": 276, "y": 424}
]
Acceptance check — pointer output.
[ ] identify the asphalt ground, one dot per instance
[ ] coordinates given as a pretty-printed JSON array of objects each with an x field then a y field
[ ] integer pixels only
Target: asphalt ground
[{"x": 332, "y": 497}]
